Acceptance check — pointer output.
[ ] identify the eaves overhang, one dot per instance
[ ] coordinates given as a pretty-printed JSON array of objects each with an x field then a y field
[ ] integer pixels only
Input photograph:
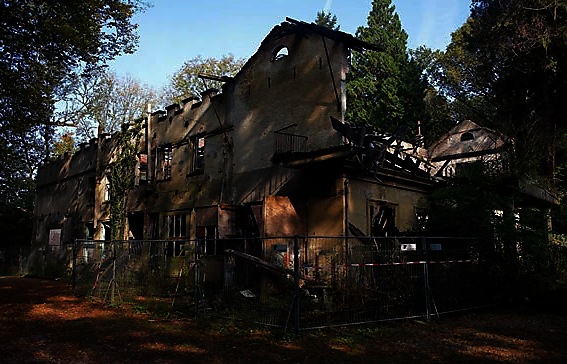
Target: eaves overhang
[
  {"x": 537, "y": 195},
  {"x": 306, "y": 159}
]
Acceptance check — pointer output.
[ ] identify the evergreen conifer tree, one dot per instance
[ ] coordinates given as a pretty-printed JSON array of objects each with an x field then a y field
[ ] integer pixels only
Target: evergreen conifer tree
[
  {"x": 376, "y": 94},
  {"x": 327, "y": 20}
]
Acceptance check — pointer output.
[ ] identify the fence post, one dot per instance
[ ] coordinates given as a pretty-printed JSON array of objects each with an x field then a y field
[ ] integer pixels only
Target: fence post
[
  {"x": 74, "y": 273},
  {"x": 426, "y": 278},
  {"x": 196, "y": 288},
  {"x": 113, "y": 271},
  {"x": 346, "y": 197},
  {"x": 296, "y": 280}
]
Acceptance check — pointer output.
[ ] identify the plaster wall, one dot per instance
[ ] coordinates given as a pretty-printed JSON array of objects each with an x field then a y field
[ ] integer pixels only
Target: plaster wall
[
  {"x": 272, "y": 94},
  {"x": 405, "y": 198}
]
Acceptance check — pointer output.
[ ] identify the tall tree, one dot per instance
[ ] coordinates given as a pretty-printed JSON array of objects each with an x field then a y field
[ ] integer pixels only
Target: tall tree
[
  {"x": 465, "y": 76},
  {"x": 506, "y": 67},
  {"x": 327, "y": 20},
  {"x": 44, "y": 46},
  {"x": 436, "y": 116},
  {"x": 382, "y": 85},
  {"x": 106, "y": 102},
  {"x": 44, "y": 43},
  {"x": 186, "y": 82}
]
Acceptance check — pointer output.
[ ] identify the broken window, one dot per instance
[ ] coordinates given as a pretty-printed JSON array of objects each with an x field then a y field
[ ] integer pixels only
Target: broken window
[
  {"x": 142, "y": 168},
  {"x": 107, "y": 190},
  {"x": 89, "y": 231},
  {"x": 88, "y": 250},
  {"x": 196, "y": 155},
  {"x": 163, "y": 167},
  {"x": 177, "y": 228},
  {"x": 154, "y": 225},
  {"x": 279, "y": 53},
  {"x": 177, "y": 225},
  {"x": 382, "y": 218},
  {"x": 421, "y": 218},
  {"x": 207, "y": 239}
]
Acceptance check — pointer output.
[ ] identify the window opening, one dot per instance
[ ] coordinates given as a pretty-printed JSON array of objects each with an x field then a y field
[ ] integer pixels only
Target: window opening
[
  {"x": 154, "y": 233},
  {"x": 143, "y": 168},
  {"x": 279, "y": 53},
  {"x": 383, "y": 220},
  {"x": 173, "y": 248},
  {"x": 177, "y": 228},
  {"x": 107, "y": 190},
  {"x": 164, "y": 163},
  {"x": 177, "y": 225},
  {"x": 421, "y": 218},
  {"x": 87, "y": 246},
  {"x": 467, "y": 136},
  {"x": 207, "y": 236},
  {"x": 197, "y": 155}
]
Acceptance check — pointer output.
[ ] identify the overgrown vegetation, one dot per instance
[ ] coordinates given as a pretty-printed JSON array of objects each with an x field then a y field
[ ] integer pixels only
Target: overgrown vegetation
[
  {"x": 46, "y": 47},
  {"x": 479, "y": 203},
  {"x": 122, "y": 174}
]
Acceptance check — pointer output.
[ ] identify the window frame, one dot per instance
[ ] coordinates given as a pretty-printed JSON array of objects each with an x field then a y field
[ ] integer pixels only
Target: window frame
[
  {"x": 164, "y": 162},
  {"x": 196, "y": 154},
  {"x": 385, "y": 205},
  {"x": 107, "y": 192}
]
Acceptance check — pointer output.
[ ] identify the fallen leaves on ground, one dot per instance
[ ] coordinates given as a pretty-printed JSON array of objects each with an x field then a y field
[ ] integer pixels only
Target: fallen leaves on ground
[{"x": 42, "y": 322}]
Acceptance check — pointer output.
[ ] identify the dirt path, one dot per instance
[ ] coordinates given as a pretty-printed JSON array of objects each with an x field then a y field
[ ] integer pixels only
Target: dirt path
[{"x": 42, "y": 322}]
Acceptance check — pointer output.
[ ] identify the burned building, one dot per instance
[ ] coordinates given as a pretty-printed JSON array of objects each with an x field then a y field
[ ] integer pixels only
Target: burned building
[
  {"x": 467, "y": 144},
  {"x": 268, "y": 155}
]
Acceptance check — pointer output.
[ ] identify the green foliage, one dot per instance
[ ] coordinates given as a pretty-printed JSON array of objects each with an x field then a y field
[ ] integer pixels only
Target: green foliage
[
  {"x": 479, "y": 204},
  {"x": 505, "y": 68},
  {"x": 327, "y": 20},
  {"x": 436, "y": 118},
  {"x": 122, "y": 176},
  {"x": 459, "y": 74},
  {"x": 17, "y": 169},
  {"x": 467, "y": 207},
  {"x": 45, "y": 46},
  {"x": 45, "y": 43},
  {"x": 139, "y": 309},
  {"x": 385, "y": 89},
  {"x": 186, "y": 82},
  {"x": 65, "y": 144}
]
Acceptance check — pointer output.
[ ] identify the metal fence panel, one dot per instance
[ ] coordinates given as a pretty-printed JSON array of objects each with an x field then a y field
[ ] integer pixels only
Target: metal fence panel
[
  {"x": 145, "y": 273},
  {"x": 243, "y": 287},
  {"x": 300, "y": 282}
]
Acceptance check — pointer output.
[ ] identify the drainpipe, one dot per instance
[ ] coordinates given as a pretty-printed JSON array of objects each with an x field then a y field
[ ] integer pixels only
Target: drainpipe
[{"x": 148, "y": 146}]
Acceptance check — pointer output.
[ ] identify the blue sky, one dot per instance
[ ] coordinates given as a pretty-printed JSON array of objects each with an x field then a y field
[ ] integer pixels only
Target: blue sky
[{"x": 174, "y": 31}]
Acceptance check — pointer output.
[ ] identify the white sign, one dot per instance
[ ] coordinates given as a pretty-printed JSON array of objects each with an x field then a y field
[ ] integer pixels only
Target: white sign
[{"x": 54, "y": 238}]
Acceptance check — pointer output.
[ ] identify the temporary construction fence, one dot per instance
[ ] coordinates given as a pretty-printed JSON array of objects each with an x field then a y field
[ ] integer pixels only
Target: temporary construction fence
[
  {"x": 147, "y": 274},
  {"x": 298, "y": 282},
  {"x": 312, "y": 282}
]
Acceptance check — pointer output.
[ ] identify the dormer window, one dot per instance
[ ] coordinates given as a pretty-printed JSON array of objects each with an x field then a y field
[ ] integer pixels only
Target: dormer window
[
  {"x": 466, "y": 137},
  {"x": 279, "y": 53}
]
